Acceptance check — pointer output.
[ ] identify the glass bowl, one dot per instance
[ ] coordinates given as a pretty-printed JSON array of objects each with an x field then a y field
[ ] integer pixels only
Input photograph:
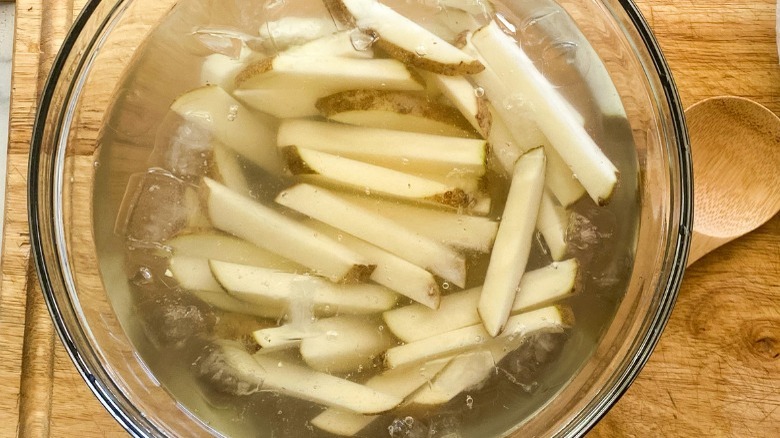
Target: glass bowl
[{"x": 94, "y": 99}]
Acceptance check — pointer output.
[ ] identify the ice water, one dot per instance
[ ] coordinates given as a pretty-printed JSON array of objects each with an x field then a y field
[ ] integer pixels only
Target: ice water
[{"x": 173, "y": 328}]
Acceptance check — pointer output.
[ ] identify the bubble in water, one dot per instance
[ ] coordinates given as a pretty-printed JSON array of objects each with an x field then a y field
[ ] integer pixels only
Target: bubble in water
[
  {"x": 144, "y": 276},
  {"x": 409, "y": 421},
  {"x": 469, "y": 401},
  {"x": 362, "y": 41},
  {"x": 421, "y": 51},
  {"x": 232, "y": 113},
  {"x": 368, "y": 191},
  {"x": 445, "y": 285},
  {"x": 478, "y": 339},
  {"x": 479, "y": 92},
  {"x": 96, "y": 164}
]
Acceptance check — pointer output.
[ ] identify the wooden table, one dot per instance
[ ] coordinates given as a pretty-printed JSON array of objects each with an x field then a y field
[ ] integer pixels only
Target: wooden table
[{"x": 715, "y": 372}]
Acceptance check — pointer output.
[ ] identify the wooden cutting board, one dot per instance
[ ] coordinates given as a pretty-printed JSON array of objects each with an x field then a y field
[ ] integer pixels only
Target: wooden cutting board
[{"x": 715, "y": 372}]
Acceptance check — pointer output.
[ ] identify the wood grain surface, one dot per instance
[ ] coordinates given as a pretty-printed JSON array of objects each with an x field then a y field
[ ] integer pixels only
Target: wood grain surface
[{"x": 715, "y": 372}]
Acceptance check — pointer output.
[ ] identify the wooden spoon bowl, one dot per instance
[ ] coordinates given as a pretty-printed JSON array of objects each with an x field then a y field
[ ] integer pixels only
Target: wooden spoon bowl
[{"x": 735, "y": 144}]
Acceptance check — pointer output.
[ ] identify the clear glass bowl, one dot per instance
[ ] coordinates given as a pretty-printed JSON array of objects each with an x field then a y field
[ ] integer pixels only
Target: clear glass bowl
[{"x": 75, "y": 192}]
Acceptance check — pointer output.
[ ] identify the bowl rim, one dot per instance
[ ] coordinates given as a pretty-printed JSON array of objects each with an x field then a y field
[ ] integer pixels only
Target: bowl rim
[{"x": 583, "y": 422}]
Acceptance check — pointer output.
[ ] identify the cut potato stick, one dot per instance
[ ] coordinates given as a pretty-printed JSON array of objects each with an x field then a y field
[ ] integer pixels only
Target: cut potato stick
[
  {"x": 404, "y": 39},
  {"x": 269, "y": 229},
  {"x": 328, "y": 72},
  {"x": 363, "y": 176},
  {"x": 324, "y": 205},
  {"x": 404, "y": 151},
  {"x": 463, "y": 372},
  {"x": 391, "y": 271},
  {"x": 232, "y": 124},
  {"x": 214, "y": 245},
  {"x": 284, "y": 336},
  {"x": 458, "y": 230},
  {"x": 298, "y": 102},
  {"x": 554, "y": 318},
  {"x": 560, "y": 179},
  {"x": 228, "y": 170},
  {"x": 513, "y": 241},
  {"x": 338, "y": 44},
  {"x": 541, "y": 287},
  {"x": 395, "y": 110},
  {"x": 266, "y": 286},
  {"x": 504, "y": 149},
  {"x": 552, "y": 223},
  {"x": 219, "y": 69},
  {"x": 270, "y": 373},
  {"x": 400, "y": 383},
  {"x": 344, "y": 344},
  {"x": 592, "y": 168},
  {"x": 193, "y": 274},
  {"x": 468, "y": 100}
]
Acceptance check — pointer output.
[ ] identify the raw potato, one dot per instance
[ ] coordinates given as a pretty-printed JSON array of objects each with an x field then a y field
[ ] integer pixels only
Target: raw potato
[
  {"x": 304, "y": 383},
  {"x": 560, "y": 179},
  {"x": 541, "y": 287},
  {"x": 466, "y": 98},
  {"x": 391, "y": 271},
  {"x": 554, "y": 117},
  {"x": 219, "y": 69},
  {"x": 552, "y": 223},
  {"x": 298, "y": 102},
  {"x": 269, "y": 229},
  {"x": 339, "y": 212},
  {"x": 228, "y": 170},
  {"x": 462, "y": 373},
  {"x": 284, "y": 336},
  {"x": 395, "y": 110},
  {"x": 344, "y": 344},
  {"x": 281, "y": 289},
  {"x": 400, "y": 383},
  {"x": 338, "y": 44},
  {"x": 552, "y": 319},
  {"x": 513, "y": 241},
  {"x": 404, "y": 39},
  {"x": 399, "y": 150},
  {"x": 232, "y": 124},
  {"x": 454, "y": 229},
  {"x": 214, "y": 245},
  {"x": 327, "y": 72},
  {"x": 193, "y": 274},
  {"x": 362, "y": 176}
]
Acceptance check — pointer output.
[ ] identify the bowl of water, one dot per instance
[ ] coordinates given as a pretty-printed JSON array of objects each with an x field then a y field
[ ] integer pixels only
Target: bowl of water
[{"x": 359, "y": 218}]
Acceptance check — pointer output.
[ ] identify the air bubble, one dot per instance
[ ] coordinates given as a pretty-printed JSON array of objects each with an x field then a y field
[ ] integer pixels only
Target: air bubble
[
  {"x": 421, "y": 51},
  {"x": 445, "y": 285},
  {"x": 479, "y": 92},
  {"x": 232, "y": 113},
  {"x": 469, "y": 402}
]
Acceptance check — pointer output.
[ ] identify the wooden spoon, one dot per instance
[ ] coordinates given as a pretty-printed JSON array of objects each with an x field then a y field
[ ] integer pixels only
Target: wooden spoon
[{"x": 735, "y": 144}]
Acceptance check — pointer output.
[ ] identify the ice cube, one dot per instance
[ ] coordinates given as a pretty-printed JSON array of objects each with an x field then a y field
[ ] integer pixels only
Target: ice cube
[
  {"x": 182, "y": 148},
  {"x": 522, "y": 367},
  {"x": 156, "y": 206},
  {"x": 172, "y": 319}
]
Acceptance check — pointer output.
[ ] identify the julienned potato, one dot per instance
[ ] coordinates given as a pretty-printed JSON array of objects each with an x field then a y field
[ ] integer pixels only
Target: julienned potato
[{"x": 386, "y": 206}]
